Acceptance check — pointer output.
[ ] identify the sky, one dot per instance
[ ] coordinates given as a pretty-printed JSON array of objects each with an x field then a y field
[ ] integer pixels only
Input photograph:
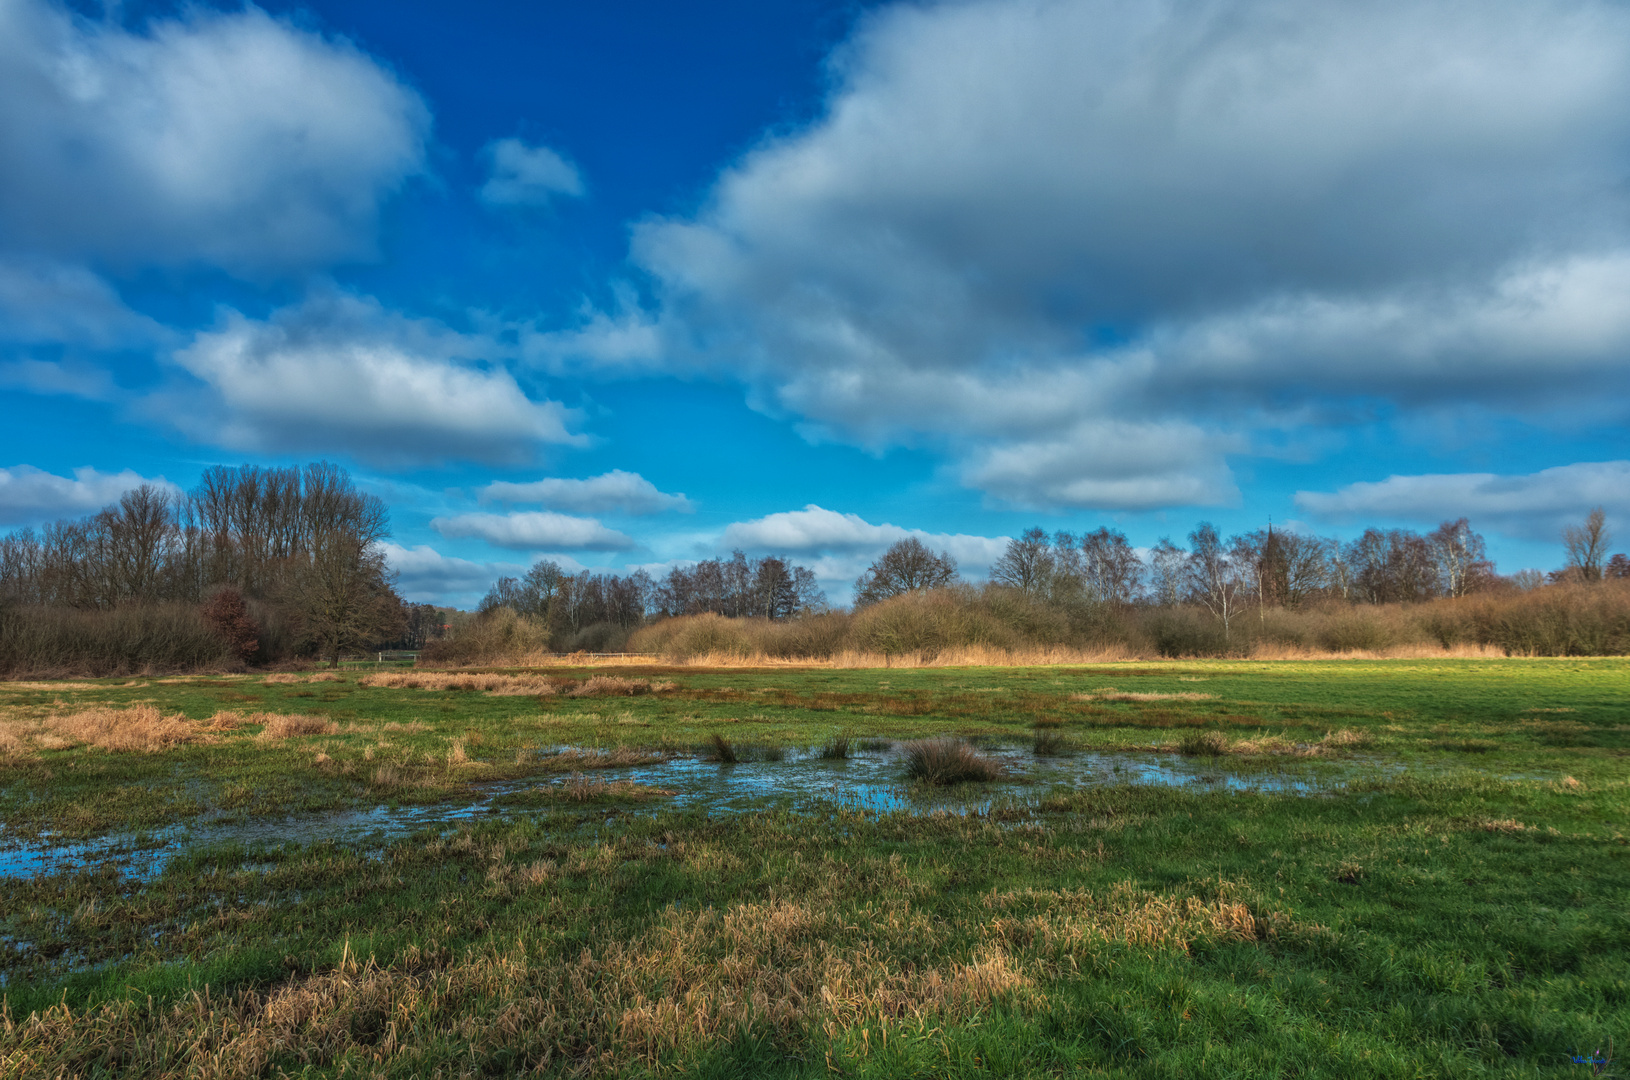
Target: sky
[{"x": 631, "y": 284}]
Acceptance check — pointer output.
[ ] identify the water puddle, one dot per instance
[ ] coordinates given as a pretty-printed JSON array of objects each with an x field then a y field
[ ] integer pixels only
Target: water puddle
[{"x": 869, "y": 780}]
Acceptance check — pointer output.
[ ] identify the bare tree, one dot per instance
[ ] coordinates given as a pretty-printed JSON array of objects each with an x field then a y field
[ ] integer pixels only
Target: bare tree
[
  {"x": 1112, "y": 571},
  {"x": 907, "y": 566},
  {"x": 1217, "y": 577},
  {"x": 1028, "y": 563},
  {"x": 1459, "y": 555},
  {"x": 1586, "y": 545},
  {"x": 1168, "y": 564}
]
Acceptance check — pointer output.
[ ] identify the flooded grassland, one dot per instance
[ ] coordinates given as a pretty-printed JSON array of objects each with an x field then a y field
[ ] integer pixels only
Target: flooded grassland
[{"x": 1340, "y": 868}]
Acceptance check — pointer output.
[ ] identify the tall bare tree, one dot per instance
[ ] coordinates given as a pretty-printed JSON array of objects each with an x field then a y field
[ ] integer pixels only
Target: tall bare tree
[
  {"x": 1586, "y": 545},
  {"x": 1217, "y": 577},
  {"x": 1028, "y": 564}
]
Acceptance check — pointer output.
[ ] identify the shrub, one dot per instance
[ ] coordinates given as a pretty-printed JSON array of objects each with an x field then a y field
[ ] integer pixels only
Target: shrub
[
  {"x": 227, "y": 615},
  {"x": 127, "y": 640},
  {"x": 948, "y": 761},
  {"x": 497, "y": 637}
]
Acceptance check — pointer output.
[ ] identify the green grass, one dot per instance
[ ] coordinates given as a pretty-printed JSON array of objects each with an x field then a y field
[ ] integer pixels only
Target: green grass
[{"x": 1464, "y": 919}]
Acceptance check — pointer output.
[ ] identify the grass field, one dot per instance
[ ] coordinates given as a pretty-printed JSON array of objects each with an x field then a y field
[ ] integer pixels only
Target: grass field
[{"x": 1453, "y": 900}]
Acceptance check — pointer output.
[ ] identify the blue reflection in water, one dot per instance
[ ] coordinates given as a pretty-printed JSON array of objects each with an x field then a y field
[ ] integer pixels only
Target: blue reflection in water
[{"x": 869, "y": 780}]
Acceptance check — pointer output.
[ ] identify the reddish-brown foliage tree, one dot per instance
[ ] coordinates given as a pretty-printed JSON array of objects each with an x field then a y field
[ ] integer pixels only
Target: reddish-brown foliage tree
[{"x": 228, "y": 616}]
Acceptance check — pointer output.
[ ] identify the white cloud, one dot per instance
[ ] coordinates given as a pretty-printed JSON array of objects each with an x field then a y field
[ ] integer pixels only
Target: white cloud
[
  {"x": 229, "y": 138},
  {"x": 534, "y": 531},
  {"x": 525, "y": 175},
  {"x": 29, "y": 495},
  {"x": 46, "y": 301},
  {"x": 818, "y": 531},
  {"x": 1024, "y": 222},
  {"x": 424, "y": 575},
  {"x": 341, "y": 373},
  {"x": 616, "y": 490},
  {"x": 1535, "y": 505}
]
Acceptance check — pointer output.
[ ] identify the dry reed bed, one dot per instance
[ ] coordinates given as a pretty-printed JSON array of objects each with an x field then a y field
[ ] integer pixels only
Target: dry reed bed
[
  {"x": 1109, "y": 693},
  {"x": 697, "y": 977},
  {"x": 517, "y": 685},
  {"x": 136, "y": 728}
]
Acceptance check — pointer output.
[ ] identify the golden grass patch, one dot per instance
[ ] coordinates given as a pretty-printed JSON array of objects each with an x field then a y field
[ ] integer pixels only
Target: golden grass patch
[
  {"x": 135, "y": 728},
  {"x": 290, "y": 726}
]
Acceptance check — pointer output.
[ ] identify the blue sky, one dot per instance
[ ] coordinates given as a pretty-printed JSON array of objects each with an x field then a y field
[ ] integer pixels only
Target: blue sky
[{"x": 627, "y": 284}]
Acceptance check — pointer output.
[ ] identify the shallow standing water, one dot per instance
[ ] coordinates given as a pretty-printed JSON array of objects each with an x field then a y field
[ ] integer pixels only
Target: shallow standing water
[{"x": 869, "y": 780}]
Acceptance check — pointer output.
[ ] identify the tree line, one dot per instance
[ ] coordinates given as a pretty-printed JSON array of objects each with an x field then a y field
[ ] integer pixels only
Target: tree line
[
  {"x": 594, "y": 611},
  {"x": 276, "y": 560},
  {"x": 1264, "y": 568}
]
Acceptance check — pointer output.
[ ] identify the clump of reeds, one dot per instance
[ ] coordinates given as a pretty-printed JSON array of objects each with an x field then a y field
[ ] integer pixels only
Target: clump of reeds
[
  {"x": 1050, "y": 743},
  {"x": 139, "y": 727},
  {"x": 1203, "y": 744},
  {"x": 948, "y": 761},
  {"x": 875, "y": 745},
  {"x": 836, "y": 750},
  {"x": 281, "y": 677},
  {"x": 289, "y": 726},
  {"x": 324, "y": 676},
  {"x": 721, "y": 751}
]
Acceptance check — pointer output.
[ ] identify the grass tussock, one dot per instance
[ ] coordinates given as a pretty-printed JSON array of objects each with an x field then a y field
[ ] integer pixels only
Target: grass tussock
[
  {"x": 947, "y": 761},
  {"x": 292, "y": 726},
  {"x": 1050, "y": 743},
  {"x": 721, "y": 750},
  {"x": 835, "y": 750},
  {"x": 141, "y": 728}
]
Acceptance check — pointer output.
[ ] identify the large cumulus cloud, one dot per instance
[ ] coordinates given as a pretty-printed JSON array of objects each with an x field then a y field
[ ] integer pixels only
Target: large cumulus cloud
[
  {"x": 340, "y": 371},
  {"x": 1093, "y": 249},
  {"x": 232, "y": 139}
]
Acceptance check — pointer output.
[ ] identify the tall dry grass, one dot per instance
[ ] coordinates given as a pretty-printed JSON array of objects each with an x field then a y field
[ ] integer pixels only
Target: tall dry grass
[
  {"x": 137, "y": 728},
  {"x": 291, "y": 726}
]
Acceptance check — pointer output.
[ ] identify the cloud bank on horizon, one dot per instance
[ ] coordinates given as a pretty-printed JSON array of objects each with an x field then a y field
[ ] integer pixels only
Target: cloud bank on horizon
[{"x": 1130, "y": 258}]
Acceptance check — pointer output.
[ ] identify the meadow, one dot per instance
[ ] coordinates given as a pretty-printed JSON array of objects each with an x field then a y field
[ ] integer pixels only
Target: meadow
[{"x": 1402, "y": 867}]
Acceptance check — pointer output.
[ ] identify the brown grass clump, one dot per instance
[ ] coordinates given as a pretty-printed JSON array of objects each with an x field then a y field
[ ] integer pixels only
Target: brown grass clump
[
  {"x": 324, "y": 676},
  {"x": 947, "y": 761},
  {"x": 139, "y": 727},
  {"x": 225, "y": 721},
  {"x": 280, "y": 677},
  {"x": 497, "y": 685},
  {"x": 286, "y": 726},
  {"x": 615, "y": 686}
]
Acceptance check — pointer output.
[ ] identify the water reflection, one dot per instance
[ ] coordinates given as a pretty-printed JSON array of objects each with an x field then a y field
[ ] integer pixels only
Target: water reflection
[{"x": 869, "y": 779}]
